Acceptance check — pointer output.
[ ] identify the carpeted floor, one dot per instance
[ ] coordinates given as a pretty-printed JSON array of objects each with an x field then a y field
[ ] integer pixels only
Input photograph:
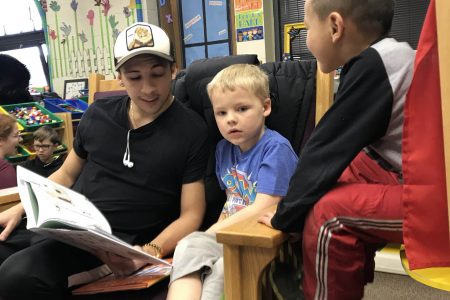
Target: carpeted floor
[{"x": 398, "y": 287}]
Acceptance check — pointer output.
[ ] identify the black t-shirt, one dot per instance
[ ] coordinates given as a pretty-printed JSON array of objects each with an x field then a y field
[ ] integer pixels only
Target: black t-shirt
[
  {"x": 43, "y": 169},
  {"x": 139, "y": 202}
]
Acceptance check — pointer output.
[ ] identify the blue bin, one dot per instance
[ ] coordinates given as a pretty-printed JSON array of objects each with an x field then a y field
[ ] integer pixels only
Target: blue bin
[{"x": 75, "y": 106}]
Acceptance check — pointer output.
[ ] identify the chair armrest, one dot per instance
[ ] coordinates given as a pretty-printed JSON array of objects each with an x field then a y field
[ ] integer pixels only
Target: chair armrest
[
  {"x": 9, "y": 197},
  {"x": 248, "y": 247}
]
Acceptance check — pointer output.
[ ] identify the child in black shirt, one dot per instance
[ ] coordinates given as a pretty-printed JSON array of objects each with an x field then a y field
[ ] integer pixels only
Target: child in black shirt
[
  {"x": 45, "y": 142},
  {"x": 345, "y": 196}
]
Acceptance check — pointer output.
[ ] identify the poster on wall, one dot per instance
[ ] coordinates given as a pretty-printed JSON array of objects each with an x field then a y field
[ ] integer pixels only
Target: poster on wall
[
  {"x": 81, "y": 34},
  {"x": 73, "y": 88},
  {"x": 249, "y": 20}
]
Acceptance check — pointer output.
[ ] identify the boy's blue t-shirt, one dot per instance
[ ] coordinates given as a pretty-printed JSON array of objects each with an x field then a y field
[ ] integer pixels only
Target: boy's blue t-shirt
[{"x": 265, "y": 168}]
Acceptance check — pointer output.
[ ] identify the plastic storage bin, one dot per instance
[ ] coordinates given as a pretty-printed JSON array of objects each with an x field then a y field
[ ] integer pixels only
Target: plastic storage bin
[
  {"x": 19, "y": 126},
  {"x": 32, "y": 115},
  {"x": 75, "y": 106},
  {"x": 22, "y": 155}
]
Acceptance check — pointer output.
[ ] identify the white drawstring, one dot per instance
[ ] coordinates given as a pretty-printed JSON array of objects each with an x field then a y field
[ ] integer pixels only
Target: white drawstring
[{"x": 127, "y": 155}]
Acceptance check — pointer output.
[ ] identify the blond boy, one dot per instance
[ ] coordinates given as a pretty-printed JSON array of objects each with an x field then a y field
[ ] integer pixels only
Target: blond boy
[{"x": 253, "y": 164}]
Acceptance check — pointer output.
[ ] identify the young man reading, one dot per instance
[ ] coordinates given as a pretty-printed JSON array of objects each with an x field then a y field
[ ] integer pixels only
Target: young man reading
[{"x": 129, "y": 160}]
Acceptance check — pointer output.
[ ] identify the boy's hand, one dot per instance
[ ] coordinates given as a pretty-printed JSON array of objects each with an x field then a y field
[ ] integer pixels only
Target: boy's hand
[
  {"x": 266, "y": 219},
  {"x": 9, "y": 219}
]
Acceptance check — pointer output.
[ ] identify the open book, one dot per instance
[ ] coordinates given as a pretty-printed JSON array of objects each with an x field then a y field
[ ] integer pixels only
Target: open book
[
  {"x": 65, "y": 215},
  {"x": 144, "y": 278}
]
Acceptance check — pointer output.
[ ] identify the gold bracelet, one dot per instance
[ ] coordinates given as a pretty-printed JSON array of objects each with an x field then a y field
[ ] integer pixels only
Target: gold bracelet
[{"x": 156, "y": 248}]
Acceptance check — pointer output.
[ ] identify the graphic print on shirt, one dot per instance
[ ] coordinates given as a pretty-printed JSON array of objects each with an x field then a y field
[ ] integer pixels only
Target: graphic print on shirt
[{"x": 241, "y": 191}]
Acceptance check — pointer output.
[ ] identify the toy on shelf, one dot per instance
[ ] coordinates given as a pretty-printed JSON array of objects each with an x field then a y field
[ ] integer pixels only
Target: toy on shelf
[{"x": 31, "y": 115}]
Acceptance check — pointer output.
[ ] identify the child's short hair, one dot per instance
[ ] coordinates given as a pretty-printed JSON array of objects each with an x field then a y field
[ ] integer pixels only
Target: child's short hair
[
  {"x": 370, "y": 16},
  {"x": 46, "y": 132},
  {"x": 6, "y": 125},
  {"x": 245, "y": 76}
]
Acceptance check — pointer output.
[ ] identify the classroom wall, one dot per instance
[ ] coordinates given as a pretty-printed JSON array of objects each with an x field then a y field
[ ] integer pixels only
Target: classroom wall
[
  {"x": 81, "y": 35},
  {"x": 255, "y": 16}
]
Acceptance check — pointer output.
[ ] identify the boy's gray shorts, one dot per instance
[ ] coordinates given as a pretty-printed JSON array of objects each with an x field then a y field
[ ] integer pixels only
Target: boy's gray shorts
[{"x": 199, "y": 251}]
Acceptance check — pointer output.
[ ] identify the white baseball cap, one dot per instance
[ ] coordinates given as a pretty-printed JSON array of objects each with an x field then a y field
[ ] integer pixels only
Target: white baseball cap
[{"x": 141, "y": 38}]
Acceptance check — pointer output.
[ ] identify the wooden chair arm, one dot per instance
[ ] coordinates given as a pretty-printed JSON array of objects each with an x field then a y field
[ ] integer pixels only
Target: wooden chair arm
[
  {"x": 9, "y": 197},
  {"x": 98, "y": 83},
  {"x": 248, "y": 247}
]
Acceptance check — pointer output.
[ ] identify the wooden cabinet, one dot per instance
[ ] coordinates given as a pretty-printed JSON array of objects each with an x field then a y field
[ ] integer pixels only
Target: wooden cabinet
[
  {"x": 66, "y": 130},
  {"x": 8, "y": 197}
]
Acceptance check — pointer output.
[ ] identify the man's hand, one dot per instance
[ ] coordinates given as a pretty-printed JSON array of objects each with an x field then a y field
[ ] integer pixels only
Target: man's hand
[
  {"x": 119, "y": 265},
  {"x": 266, "y": 219},
  {"x": 9, "y": 219}
]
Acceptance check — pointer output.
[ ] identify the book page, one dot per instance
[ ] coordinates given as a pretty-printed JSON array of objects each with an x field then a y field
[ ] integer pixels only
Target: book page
[
  {"x": 45, "y": 200},
  {"x": 62, "y": 214},
  {"x": 93, "y": 239}
]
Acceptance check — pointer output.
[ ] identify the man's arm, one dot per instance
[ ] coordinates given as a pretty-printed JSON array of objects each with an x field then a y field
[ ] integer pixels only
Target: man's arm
[
  {"x": 193, "y": 205},
  {"x": 69, "y": 171},
  {"x": 262, "y": 201}
]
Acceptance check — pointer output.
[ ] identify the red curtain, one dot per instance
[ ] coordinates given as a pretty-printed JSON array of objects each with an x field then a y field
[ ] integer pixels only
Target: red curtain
[{"x": 426, "y": 228}]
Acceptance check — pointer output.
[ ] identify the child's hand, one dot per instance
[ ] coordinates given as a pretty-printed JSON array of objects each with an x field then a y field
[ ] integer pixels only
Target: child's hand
[{"x": 266, "y": 219}]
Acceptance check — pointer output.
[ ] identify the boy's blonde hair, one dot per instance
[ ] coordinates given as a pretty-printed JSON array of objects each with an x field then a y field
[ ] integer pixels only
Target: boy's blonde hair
[{"x": 245, "y": 76}]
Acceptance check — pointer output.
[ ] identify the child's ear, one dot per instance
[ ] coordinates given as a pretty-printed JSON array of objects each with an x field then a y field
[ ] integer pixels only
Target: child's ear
[
  {"x": 267, "y": 107},
  {"x": 336, "y": 23}
]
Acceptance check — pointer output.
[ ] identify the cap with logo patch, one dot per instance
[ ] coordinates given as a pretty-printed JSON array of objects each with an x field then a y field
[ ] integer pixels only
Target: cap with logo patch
[{"x": 141, "y": 38}]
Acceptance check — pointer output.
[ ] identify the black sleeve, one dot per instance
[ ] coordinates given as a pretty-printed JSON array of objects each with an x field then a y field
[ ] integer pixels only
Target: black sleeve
[
  {"x": 85, "y": 124},
  {"x": 198, "y": 156},
  {"x": 359, "y": 116},
  {"x": 28, "y": 164}
]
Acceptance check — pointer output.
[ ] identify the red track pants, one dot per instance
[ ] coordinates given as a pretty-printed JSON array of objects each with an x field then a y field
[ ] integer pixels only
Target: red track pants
[{"x": 344, "y": 229}]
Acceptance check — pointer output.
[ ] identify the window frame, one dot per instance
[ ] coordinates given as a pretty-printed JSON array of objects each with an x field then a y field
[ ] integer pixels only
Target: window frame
[
  {"x": 206, "y": 43},
  {"x": 29, "y": 39}
]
